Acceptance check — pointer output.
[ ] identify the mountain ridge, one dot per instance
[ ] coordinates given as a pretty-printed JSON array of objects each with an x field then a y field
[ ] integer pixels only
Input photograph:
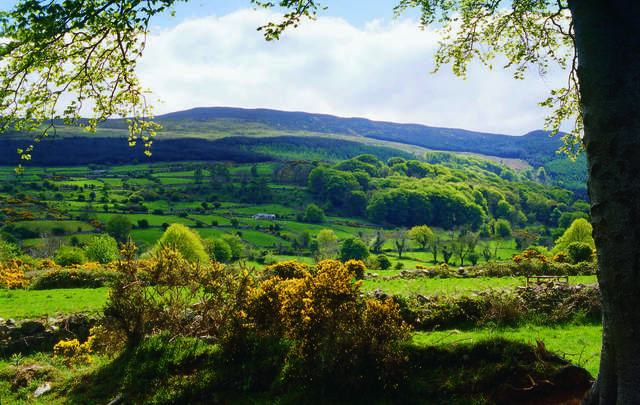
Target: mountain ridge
[{"x": 527, "y": 146}]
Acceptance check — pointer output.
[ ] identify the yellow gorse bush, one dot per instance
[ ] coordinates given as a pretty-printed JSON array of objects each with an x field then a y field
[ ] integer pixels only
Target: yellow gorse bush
[
  {"x": 12, "y": 274},
  {"x": 328, "y": 322},
  {"x": 72, "y": 352}
]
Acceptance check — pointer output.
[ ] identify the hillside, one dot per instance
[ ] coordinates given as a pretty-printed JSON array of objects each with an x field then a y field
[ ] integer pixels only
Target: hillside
[{"x": 300, "y": 135}]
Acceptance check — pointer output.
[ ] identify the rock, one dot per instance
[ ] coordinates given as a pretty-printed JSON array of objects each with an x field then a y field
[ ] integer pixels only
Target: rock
[
  {"x": 30, "y": 328},
  {"x": 10, "y": 322},
  {"x": 119, "y": 399},
  {"x": 46, "y": 387}
]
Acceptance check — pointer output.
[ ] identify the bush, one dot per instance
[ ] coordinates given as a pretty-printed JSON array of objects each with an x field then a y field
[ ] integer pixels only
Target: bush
[
  {"x": 356, "y": 268},
  {"x": 580, "y": 252},
  {"x": 185, "y": 241},
  {"x": 337, "y": 338},
  {"x": 12, "y": 274},
  {"x": 143, "y": 223},
  {"x": 102, "y": 249},
  {"x": 119, "y": 227},
  {"x": 72, "y": 352},
  {"x": 313, "y": 214},
  {"x": 69, "y": 255},
  {"x": 287, "y": 270},
  {"x": 73, "y": 278},
  {"x": 218, "y": 250},
  {"x": 134, "y": 309},
  {"x": 383, "y": 262},
  {"x": 353, "y": 248},
  {"x": 236, "y": 244}
]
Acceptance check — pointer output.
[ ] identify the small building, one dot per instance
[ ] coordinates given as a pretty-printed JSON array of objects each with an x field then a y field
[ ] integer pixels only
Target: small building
[{"x": 268, "y": 217}]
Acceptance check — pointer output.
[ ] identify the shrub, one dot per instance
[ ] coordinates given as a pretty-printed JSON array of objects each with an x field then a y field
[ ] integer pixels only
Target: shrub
[
  {"x": 383, "y": 262},
  {"x": 218, "y": 250},
  {"x": 72, "y": 352},
  {"x": 143, "y": 223},
  {"x": 73, "y": 278},
  {"x": 69, "y": 255},
  {"x": 356, "y": 268},
  {"x": 236, "y": 244},
  {"x": 353, "y": 248},
  {"x": 580, "y": 252},
  {"x": 287, "y": 270},
  {"x": 102, "y": 249},
  {"x": 58, "y": 231},
  {"x": 134, "y": 309},
  {"x": 313, "y": 214},
  {"x": 337, "y": 338},
  {"x": 119, "y": 227},
  {"x": 185, "y": 241},
  {"x": 12, "y": 274}
]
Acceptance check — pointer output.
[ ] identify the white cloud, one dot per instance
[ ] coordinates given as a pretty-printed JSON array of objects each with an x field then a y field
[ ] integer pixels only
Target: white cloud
[{"x": 328, "y": 66}]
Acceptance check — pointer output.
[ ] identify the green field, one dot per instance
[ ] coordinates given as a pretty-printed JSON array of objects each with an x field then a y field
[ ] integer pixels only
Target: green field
[
  {"x": 579, "y": 344},
  {"x": 37, "y": 304},
  {"x": 452, "y": 286}
]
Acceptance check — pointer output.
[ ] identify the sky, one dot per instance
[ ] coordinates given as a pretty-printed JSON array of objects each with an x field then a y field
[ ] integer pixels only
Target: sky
[{"x": 355, "y": 60}]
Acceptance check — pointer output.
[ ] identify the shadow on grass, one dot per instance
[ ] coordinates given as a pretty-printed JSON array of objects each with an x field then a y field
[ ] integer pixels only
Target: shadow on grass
[{"x": 189, "y": 371}]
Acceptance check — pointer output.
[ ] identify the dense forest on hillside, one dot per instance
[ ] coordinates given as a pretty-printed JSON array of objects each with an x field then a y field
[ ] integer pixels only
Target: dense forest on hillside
[{"x": 75, "y": 151}]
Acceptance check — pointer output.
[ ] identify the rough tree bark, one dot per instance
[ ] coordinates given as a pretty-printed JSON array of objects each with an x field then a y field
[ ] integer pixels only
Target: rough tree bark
[{"x": 607, "y": 36}]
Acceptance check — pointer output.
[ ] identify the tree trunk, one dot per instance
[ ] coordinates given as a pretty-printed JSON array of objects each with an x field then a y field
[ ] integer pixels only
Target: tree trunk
[{"x": 608, "y": 46}]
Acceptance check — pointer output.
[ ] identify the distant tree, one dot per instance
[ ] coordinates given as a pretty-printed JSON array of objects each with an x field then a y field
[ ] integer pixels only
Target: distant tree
[
  {"x": 503, "y": 209},
  {"x": 434, "y": 246},
  {"x": 487, "y": 254},
  {"x": 400, "y": 239},
  {"x": 353, "y": 249},
  {"x": 378, "y": 241},
  {"x": 236, "y": 244},
  {"x": 447, "y": 252},
  {"x": 102, "y": 249},
  {"x": 304, "y": 238},
  {"x": 464, "y": 244},
  {"x": 327, "y": 244},
  {"x": 579, "y": 231},
  {"x": 119, "y": 227},
  {"x": 185, "y": 241},
  {"x": 198, "y": 175},
  {"x": 422, "y": 235},
  {"x": 143, "y": 223},
  {"x": 218, "y": 250},
  {"x": 313, "y": 214},
  {"x": 503, "y": 228}
]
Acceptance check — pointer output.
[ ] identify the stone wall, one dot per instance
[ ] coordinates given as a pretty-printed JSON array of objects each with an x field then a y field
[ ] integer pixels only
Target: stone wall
[{"x": 42, "y": 335}]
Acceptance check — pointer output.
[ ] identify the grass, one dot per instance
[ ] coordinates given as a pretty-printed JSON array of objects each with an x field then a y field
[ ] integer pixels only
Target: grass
[
  {"x": 149, "y": 235},
  {"x": 262, "y": 239},
  {"x": 153, "y": 219},
  {"x": 579, "y": 344},
  {"x": 47, "y": 225},
  {"x": 210, "y": 233},
  {"x": 32, "y": 304},
  {"x": 277, "y": 209},
  {"x": 452, "y": 286}
]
